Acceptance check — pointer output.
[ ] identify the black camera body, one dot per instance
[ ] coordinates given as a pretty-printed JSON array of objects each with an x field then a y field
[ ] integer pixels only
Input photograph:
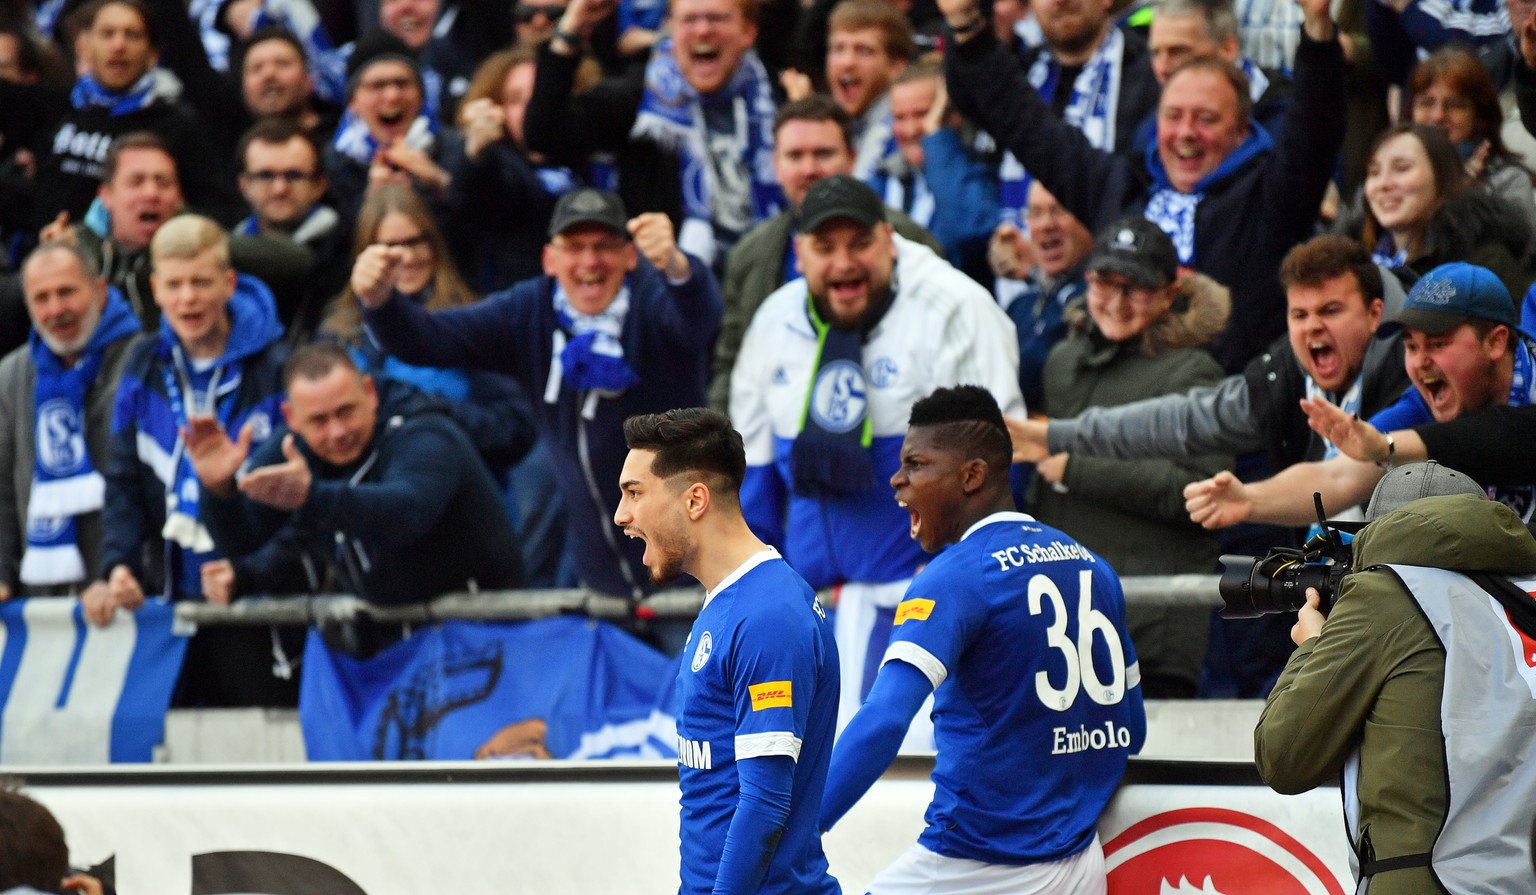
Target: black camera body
[{"x": 1278, "y": 582}]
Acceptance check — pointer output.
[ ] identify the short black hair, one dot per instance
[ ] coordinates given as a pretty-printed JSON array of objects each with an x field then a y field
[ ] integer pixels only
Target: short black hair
[
  {"x": 693, "y": 440},
  {"x": 973, "y": 423},
  {"x": 315, "y": 361},
  {"x": 34, "y": 852},
  {"x": 276, "y": 130},
  {"x": 817, "y": 107},
  {"x": 260, "y": 36}
]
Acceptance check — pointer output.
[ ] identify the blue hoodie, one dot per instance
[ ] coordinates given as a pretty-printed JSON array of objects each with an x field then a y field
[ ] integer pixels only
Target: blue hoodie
[{"x": 149, "y": 479}]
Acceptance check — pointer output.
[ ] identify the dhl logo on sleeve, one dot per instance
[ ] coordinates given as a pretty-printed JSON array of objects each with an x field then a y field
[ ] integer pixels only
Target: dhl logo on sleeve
[
  {"x": 770, "y": 695},
  {"x": 913, "y": 610}
]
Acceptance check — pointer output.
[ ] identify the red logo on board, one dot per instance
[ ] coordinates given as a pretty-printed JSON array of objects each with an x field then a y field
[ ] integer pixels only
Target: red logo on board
[{"x": 1213, "y": 851}]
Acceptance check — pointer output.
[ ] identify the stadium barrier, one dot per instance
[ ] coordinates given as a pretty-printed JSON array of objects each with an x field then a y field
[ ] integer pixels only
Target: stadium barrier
[
  {"x": 518, "y": 605},
  {"x": 1173, "y": 828}
]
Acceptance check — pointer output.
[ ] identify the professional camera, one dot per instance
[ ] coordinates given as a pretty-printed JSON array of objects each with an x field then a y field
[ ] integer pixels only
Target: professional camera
[{"x": 1278, "y": 582}]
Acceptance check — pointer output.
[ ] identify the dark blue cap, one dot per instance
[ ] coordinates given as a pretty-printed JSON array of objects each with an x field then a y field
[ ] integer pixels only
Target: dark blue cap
[{"x": 1452, "y": 294}]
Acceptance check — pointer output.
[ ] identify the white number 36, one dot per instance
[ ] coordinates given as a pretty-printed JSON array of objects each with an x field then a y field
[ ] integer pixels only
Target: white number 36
[{"x": 1081, "y": 673}]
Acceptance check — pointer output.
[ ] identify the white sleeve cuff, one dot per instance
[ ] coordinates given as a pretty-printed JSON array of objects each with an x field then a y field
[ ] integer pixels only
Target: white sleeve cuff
[
  {"x": 758, "y": 745},
  {"x": 1133, "y": 676},
  {"x": 919, "y": 658}
]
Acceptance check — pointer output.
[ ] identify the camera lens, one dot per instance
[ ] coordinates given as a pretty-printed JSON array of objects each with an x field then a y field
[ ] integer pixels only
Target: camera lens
[{"x": 1253, "y": 587}]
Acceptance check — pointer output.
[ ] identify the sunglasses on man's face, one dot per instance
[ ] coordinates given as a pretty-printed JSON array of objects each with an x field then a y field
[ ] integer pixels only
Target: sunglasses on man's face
[{"x": 525, "y": 12}]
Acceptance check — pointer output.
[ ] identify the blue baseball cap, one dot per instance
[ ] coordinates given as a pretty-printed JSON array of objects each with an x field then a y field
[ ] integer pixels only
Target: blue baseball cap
[{"x": 1452, "y": 294}]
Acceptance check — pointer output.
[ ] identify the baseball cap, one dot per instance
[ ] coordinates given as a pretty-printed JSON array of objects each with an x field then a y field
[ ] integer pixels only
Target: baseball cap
[
  {"x": 588, "y": 206},
  {"x": 1405, "y": 484},
  {"x": 1137, "y": 249},
  {"x": 1449, "y": 295},
  {"x": 840, "y": 196}
]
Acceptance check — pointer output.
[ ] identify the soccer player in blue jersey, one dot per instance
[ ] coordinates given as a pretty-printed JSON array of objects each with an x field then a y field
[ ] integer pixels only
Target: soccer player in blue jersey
[
  {"x": 1019, "y": 633},
  {"x": 758, "y": 681}
]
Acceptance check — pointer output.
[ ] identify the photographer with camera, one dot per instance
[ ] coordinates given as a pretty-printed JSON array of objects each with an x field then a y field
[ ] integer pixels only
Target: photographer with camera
[{"x": 1417, "y": 691}]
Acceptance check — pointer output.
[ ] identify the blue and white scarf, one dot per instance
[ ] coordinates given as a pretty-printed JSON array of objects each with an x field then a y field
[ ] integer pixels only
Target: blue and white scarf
[
  {"x": 156, "y": 85},
  {"x": 65, "y": 483},
  {"x": 297, "y": 17},
  {"x": 1387, "y": 254},
  {"x": 1093, "y": 109},
  {"x": 1258, "y": 82},
  {"x": 671, "y": 115},
  {"x": 1173, "y": 211},
  {"x": 589, "y": 352},
  {"x": 1270, "y": 31},
  {"x": 356, "y": 142},
  {"x": 183, "y": 493}
]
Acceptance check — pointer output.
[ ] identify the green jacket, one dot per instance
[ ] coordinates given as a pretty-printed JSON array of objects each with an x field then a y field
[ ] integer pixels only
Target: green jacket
[
  {"x": 1131, "y": 512},
  {"x": 1373, "y": 680},
  {"x": 753, "y": 269}
]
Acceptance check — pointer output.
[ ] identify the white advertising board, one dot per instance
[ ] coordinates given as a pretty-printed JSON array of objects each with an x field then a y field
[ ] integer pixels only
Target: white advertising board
[{"x": 556, "y": 827}]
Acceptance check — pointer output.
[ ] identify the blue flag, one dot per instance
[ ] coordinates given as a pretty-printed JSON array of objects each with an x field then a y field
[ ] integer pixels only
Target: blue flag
[
  {"x": 78, "y": 694},
  {"x": 445, "y": 690}
]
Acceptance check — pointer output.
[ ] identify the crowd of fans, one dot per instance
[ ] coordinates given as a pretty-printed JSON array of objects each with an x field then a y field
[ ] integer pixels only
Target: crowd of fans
[{"x": 309, "y": 295}]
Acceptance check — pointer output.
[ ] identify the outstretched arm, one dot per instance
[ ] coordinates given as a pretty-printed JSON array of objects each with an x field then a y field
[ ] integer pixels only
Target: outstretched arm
[
  {"x": 872, "y": 739},
  {"x": 1286, "y": 498}
]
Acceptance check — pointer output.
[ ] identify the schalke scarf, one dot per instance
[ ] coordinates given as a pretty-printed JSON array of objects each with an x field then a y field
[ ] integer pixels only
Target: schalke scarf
[
  {"x": 183, "y": 493},
  {"x": 588, "y": 352},
  {"x": 354, "y": 141},
  {"x": 1092, "y": 109},
  {"x": 830, "y": 456},
  {"x": 1174, "y": 212},
  {"x": 65, "y": 484},
  {"x": 156, "y": 85},
  {"x": 672, "y": 116}
]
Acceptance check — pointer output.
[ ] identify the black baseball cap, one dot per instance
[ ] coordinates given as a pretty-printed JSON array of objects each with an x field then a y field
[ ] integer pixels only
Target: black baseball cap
[
  {"x": 588, "y": 206},
  {"x": 1137, "y": 249},
  {"x": 840, "y": 196}
]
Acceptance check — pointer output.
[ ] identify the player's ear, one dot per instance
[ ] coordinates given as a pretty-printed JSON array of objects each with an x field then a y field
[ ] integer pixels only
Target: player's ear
[
  {"x": 696, "y": 501},
  {"x": 973, "y": 475}
]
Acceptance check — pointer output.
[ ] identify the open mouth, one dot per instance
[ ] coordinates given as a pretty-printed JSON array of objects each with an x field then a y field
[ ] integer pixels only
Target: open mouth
[
  {"x": 846, "y": 289},
  {"x": 915, "y": 523},
  {"x": 704, "y": 55},
  {"x": 846, "y": 89},
  {"x": 645, "y": 558},
  {"x": 1049, "y": 247},
  {"x": 392, "y": 119},
  {"x": 1325, "y": 359},
  {"x": 1436, "y": 389}
]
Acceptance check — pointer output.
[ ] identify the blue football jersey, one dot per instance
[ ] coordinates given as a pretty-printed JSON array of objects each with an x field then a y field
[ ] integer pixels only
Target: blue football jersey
[
  {"x": 1037, "y": 703},
  {"x": 758, "y": 678}
]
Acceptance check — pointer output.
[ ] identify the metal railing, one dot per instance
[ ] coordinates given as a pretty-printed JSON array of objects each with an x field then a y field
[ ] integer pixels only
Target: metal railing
[{"x": 523, "y": 605}]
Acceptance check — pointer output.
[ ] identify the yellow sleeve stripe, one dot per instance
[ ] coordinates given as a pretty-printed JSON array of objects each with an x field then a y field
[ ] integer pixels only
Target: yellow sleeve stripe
[
  {"x": 913, "y": 610},
  {"x": 770, "y": 695}
]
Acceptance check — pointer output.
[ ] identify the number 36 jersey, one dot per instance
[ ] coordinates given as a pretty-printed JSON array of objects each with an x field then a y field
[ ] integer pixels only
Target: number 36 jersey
[{"x": 1037, "y": 703}]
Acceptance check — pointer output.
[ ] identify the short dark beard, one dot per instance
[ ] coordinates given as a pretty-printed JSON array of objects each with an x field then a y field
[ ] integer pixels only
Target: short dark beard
[{"x": 879, "y": 301}]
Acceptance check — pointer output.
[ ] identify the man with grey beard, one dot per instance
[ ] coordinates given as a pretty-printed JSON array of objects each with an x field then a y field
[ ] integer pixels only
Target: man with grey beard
[{"x": 56, "y": 397}]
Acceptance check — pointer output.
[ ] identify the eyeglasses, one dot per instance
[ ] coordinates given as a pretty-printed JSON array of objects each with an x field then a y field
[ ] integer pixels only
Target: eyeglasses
[
  {"x": 523, "y": 13},
  {"x": 600, "y": 246},
  {"x": 1140, "y": 296},
  {"x": 419, "y": 241},
  {"x": 292, "y": 177},
  {"x": 379, "y": 85}
]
